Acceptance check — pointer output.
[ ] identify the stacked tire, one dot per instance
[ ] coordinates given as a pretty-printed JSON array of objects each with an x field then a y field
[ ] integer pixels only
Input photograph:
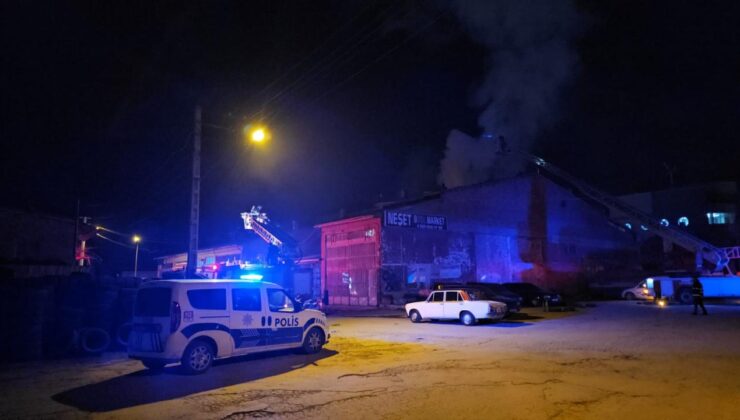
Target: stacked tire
[{"x": 124, "y": 315}]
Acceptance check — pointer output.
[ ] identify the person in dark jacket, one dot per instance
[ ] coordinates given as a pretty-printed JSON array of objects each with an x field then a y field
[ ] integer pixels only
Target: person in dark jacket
[{"x": 697, "y": 291}]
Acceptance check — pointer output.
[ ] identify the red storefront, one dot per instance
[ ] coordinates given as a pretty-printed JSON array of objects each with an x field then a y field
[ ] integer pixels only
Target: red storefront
[{"x": 350, "y": 258}]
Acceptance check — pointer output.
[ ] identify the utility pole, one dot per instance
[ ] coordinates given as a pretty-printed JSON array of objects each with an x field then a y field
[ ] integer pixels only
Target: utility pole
[{"x": 194, "y": 199}]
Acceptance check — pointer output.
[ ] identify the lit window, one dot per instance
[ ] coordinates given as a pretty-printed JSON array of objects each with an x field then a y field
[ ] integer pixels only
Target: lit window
[
  {"x": 683, "y": 221},
  {"x": 720, "y": 218}
]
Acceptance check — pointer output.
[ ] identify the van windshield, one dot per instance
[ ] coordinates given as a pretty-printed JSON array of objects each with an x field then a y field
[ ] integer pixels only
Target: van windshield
[{"x": 153, "y": 301}]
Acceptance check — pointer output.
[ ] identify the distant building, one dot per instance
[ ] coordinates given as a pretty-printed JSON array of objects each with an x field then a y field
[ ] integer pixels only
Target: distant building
[
  {"x": 209, "y": 260},
  {"x": 522, "y": 229},
  {"x": 708, "y": 211},
  {"x": 226, "y": 261},
  {"x": 35, "y": 244}
]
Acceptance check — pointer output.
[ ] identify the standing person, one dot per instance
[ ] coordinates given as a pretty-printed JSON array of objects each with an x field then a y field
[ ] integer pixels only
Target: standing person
[{"x": 697, "y": 291}]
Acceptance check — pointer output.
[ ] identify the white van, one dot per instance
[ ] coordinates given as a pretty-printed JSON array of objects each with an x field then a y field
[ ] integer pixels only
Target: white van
[
  {"x": 197, "y": 321},
  {"x": 641, "y": 291}
]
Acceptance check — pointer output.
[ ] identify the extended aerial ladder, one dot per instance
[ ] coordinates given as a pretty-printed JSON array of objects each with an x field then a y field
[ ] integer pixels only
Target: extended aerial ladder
[
  {"x": 626, "y": 213},
  {"x": 288, "y": 251}
]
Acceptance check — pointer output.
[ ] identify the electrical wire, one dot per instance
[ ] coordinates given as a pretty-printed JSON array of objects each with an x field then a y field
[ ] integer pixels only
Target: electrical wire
[
  {"x": 297, "y": 64},
  {"x": 375, "y": 61},
  {"x": 347, "y": 47},
  {"x": 114, "y": 241}
]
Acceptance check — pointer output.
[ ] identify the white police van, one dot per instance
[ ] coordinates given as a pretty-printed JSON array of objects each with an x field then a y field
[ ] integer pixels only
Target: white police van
[{"x": 197, "y": 321}]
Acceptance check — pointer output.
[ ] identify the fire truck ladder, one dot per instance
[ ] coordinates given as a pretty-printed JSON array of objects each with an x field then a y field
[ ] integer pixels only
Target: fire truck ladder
[
  {"x": 258, "y": 222},
  {"x": 703, "y": 250}
]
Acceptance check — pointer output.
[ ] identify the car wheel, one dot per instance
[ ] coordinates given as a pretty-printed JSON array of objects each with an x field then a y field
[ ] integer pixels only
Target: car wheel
[
  {"x": 314, "y": 341},
  {"x": 685, "y": 296},
  {"x": 197, "y": 357},
  {"x": 467, "y": 318},
  {"x": 153, "y": 364},
  {"x": 629, "y": 296},
  {"x": 415, "y": 316}
]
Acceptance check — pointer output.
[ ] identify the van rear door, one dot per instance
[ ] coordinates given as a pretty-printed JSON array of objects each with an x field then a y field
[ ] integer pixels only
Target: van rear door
[{"x": 152, "y": 319}]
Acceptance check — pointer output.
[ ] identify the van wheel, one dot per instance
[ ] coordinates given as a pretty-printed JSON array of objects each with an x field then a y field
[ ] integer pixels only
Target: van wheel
[
  {"x": 629, "y": 296},
  {"x": 467, "y": 318},
  {"x": 685, "y": 296},
  {"x": 314, "y": 341},
  {"x": 153, "y": 364},
  {"x": 198, "y": 357},
  {"x": 415, "y": 316}
]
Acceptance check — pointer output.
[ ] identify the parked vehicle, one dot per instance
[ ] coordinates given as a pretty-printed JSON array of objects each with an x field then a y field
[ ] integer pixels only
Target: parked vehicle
[
  {"x": 489, "y": 291},
  {"x": 196, "y": 321},
  {"x": 455, "y": 304},
  {"x": 679, "y": 286},
  {"x": 640, "y": 291},
  {"x": 533, "y": 295}
]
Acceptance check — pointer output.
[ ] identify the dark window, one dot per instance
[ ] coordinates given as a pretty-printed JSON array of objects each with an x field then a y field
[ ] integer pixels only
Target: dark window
[
  {"x": 153, "y": 301},
  {"x": 207, "y": 298},
  {"x": 279, "y": 301},
  {"x": 452, "y": 297},
  {"x": 246, "y": 299},
  {"x": 438, "y": 297},
  {"x": 476, "y": 294},
  {"x": 494, "y": 289}
]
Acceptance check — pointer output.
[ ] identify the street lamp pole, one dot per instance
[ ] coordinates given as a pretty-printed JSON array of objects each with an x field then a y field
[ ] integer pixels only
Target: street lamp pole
[
  {"x": 257, "y": 134},
  {"x": 136, "y": 240},
  {"x": 194, "y": 199}
]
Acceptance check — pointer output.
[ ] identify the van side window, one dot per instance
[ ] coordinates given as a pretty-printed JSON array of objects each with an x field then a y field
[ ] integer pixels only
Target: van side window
[
  {"x": 214, "y": 299},
  {"x": 246, "y": 299},
  {"x": 153, "y": 301},
  {"x": 279, "y": 301}
]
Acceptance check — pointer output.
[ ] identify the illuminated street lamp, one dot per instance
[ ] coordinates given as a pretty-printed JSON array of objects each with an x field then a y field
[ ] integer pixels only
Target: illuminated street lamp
[
  {"x": 136, "y": 239},
  {"x": 256, "y": 133}
]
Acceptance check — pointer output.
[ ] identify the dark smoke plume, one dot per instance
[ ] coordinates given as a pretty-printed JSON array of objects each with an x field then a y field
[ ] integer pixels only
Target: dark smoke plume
[{"x": 531, "y": 59}]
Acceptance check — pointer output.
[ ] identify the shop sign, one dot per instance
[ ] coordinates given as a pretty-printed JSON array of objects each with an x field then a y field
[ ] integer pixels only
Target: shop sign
[{"x": 418, "y": 221}]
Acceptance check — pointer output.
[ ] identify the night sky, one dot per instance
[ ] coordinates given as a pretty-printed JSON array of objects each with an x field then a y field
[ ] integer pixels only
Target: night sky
[{"x": 98, "y": 100}]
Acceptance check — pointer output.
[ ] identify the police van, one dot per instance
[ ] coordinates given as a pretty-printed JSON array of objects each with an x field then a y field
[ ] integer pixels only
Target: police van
[{"x": 197, "y": 321}]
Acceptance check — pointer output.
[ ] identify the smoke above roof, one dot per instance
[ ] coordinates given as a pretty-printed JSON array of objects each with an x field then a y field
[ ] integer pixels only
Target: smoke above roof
[{"x": 531, "y": 59}]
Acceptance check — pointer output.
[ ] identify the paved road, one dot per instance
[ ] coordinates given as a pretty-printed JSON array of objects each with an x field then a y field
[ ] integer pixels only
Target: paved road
[{"x": 615, "y": 360}]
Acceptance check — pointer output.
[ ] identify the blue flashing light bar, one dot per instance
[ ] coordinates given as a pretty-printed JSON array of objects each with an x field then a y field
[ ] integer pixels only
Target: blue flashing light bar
[{"x": 251, "y": 277}]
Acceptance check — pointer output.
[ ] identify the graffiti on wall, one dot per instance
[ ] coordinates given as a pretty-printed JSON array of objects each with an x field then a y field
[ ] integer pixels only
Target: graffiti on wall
[{"x": 415, "y": 258}]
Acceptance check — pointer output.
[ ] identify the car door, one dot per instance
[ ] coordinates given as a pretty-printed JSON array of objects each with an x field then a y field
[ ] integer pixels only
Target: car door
[
  {"x": 434, "y": 306},
  {"x": 453, "y": 305},
  {"x": 282, "y": 319},
  {"x": 247, "y": 319}
]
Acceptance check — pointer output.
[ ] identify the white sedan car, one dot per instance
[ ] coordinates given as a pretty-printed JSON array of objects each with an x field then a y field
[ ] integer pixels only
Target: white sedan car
[{"x": 455, "y": 304}]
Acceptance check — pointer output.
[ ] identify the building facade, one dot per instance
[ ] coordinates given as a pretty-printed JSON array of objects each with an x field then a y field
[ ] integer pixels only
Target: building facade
[
  {"x": 36, "y": 244},
  {"x": 300, "y": 277},
  {"x": 522, "y": 229},
  {"x": 708, "y": 211}
]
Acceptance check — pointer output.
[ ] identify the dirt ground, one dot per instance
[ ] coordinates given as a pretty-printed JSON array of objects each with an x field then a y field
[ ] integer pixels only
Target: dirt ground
[{"x": 616, "y": 360}]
